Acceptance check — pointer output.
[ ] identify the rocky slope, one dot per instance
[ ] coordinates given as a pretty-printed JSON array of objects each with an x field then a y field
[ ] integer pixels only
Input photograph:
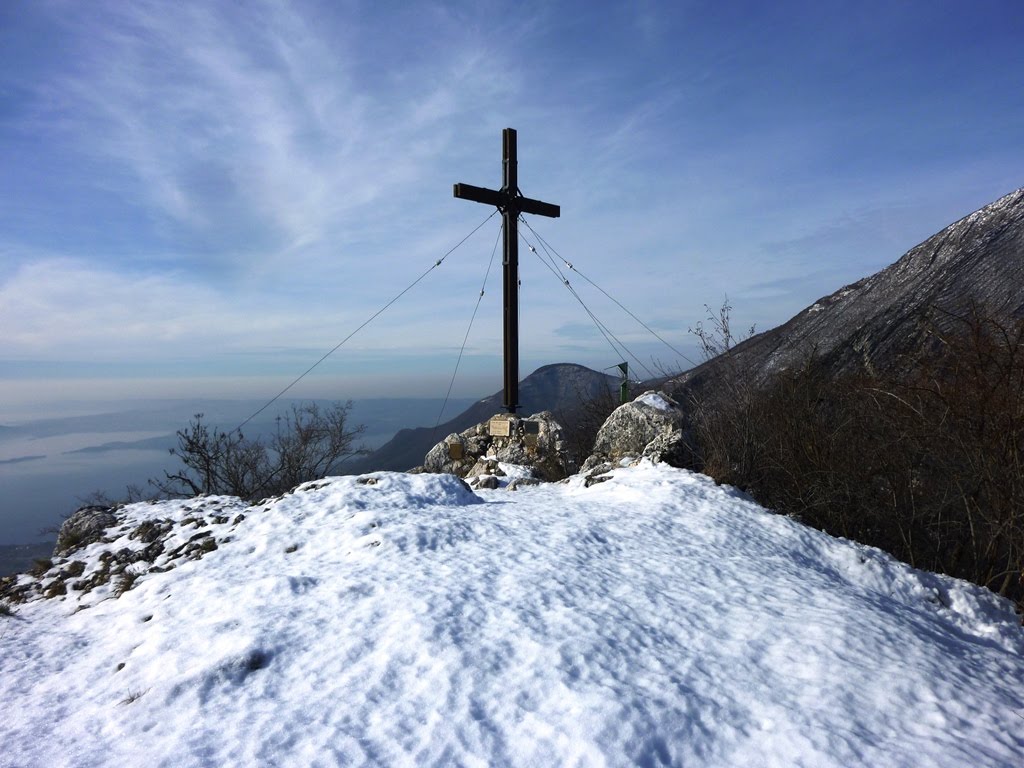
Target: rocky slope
[{"x": 874, "y": 323}]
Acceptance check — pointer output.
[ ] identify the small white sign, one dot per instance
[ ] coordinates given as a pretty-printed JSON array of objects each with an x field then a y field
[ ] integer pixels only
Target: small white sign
[{"x": 499, "y": 427}]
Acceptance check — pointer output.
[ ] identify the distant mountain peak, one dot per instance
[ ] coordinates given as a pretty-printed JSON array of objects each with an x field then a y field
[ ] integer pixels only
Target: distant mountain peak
[{"x": 554, "y": 387}]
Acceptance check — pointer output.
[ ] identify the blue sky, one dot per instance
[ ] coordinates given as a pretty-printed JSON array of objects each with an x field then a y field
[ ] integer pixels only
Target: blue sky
[{"x": 203, "y": 198}]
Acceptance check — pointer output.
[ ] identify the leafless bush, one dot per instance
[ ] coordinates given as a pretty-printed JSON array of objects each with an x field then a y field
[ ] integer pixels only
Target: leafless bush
[
  {"x": 965, "y": 411},
  {"x": 928, "y": 466},
  {"x": 308, "y": 444},
  {"x": 581, "y": 422},
  {"x": 723, "y": 412}
]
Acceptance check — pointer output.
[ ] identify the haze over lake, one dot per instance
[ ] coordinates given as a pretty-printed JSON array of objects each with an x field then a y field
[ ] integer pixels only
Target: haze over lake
[{"x": 50, "y": 465}]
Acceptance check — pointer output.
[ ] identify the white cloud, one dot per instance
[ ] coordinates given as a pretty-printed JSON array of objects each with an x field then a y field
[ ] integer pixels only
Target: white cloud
[
  {"x": 255, "y": 117},
  {"x": 64, "y": 307}
]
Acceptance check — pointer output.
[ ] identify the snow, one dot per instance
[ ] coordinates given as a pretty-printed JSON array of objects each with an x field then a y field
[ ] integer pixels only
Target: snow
[
  {"x": 513, "y": 472},
  {"x": 393, "y": 620},
  {"x": 655, "y": 400}
]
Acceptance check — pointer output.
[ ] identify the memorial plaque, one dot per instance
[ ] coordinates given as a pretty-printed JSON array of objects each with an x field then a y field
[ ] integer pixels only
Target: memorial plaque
[
  {"x": 454, "y": 450},
  {"x": 499, "y": 427},
  {"x": 531, "y": 427}
]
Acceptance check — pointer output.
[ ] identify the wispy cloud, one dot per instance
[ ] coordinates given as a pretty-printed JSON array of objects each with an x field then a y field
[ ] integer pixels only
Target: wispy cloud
[
  {"x": 70, "y": 308},
  {"x": 257, "y": 178},
  {"x": 240, "y": 122}
]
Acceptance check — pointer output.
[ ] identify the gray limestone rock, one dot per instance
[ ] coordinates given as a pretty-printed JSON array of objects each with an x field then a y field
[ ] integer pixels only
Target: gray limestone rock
[
  {"x": 450, "y": 456},
  {"x": 485, "y": 465},
  {"x": 651, "y": 426},
  {"x": 535, "y": 442},
  {"x": 84, "y": 527}
]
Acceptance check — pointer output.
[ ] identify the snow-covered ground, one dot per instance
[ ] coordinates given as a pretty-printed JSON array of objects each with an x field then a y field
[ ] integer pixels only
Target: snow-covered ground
[{"x": 653, "y": 619}]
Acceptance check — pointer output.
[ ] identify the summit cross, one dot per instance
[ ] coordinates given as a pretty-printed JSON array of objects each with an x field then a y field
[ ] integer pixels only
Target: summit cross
[{"x": 510, "y": 201}]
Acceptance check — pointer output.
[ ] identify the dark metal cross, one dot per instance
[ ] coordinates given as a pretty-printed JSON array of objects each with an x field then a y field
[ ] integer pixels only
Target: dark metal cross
[{"x": 511, "y": 203}]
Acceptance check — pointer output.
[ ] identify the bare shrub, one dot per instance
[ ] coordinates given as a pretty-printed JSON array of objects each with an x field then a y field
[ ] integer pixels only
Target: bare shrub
[
  {"x": 928, "y": 466},
  {"x": 723, "y": 411},
  {"x": 581, "y": 422},
  {"x": 309, "y": 443},
  {"x": 966, "y": 411}
]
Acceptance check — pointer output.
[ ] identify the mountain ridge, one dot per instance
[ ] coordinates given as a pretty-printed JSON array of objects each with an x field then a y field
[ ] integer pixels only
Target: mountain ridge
[{"x": 878, "y": 321}]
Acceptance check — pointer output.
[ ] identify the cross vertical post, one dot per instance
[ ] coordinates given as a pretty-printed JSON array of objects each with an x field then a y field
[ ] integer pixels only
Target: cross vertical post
[
  {"x": 510, "y": 271},
  {"x": 511, "y": 203}
]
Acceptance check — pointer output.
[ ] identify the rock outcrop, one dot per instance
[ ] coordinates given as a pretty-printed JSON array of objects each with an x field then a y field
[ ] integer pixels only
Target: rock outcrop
[
  {"x": 84, "y": 527},
  {"x": 106, "y": 549},
  {"x": 558, "y": 388},
  {"x": 534, "y": 442},
  {"x": 651, "y": 426}
]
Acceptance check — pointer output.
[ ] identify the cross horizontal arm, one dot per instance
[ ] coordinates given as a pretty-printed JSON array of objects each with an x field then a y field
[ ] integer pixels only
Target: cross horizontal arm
[
  {"x": 529, "y": 205},
  {"x": 501, "y": 199},
  {"x": 481, "y": 195}
]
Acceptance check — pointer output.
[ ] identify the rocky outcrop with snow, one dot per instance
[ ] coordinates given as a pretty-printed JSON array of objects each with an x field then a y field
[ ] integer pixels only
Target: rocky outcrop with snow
[
  {"x": 85, "y": 526},
  {"x": 106, "y": 549},
  {"x": 651, "y": 426},
  {"x": 558, "y": 388},
  {"x": 534, "y": 442}
]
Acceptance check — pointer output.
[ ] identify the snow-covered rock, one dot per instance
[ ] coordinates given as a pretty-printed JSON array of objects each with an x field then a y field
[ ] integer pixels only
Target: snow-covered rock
[
  {"x": 651, "y": 426},
  {"x": 85, "y": 526},
  {"x": 534, "y": 441}
]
